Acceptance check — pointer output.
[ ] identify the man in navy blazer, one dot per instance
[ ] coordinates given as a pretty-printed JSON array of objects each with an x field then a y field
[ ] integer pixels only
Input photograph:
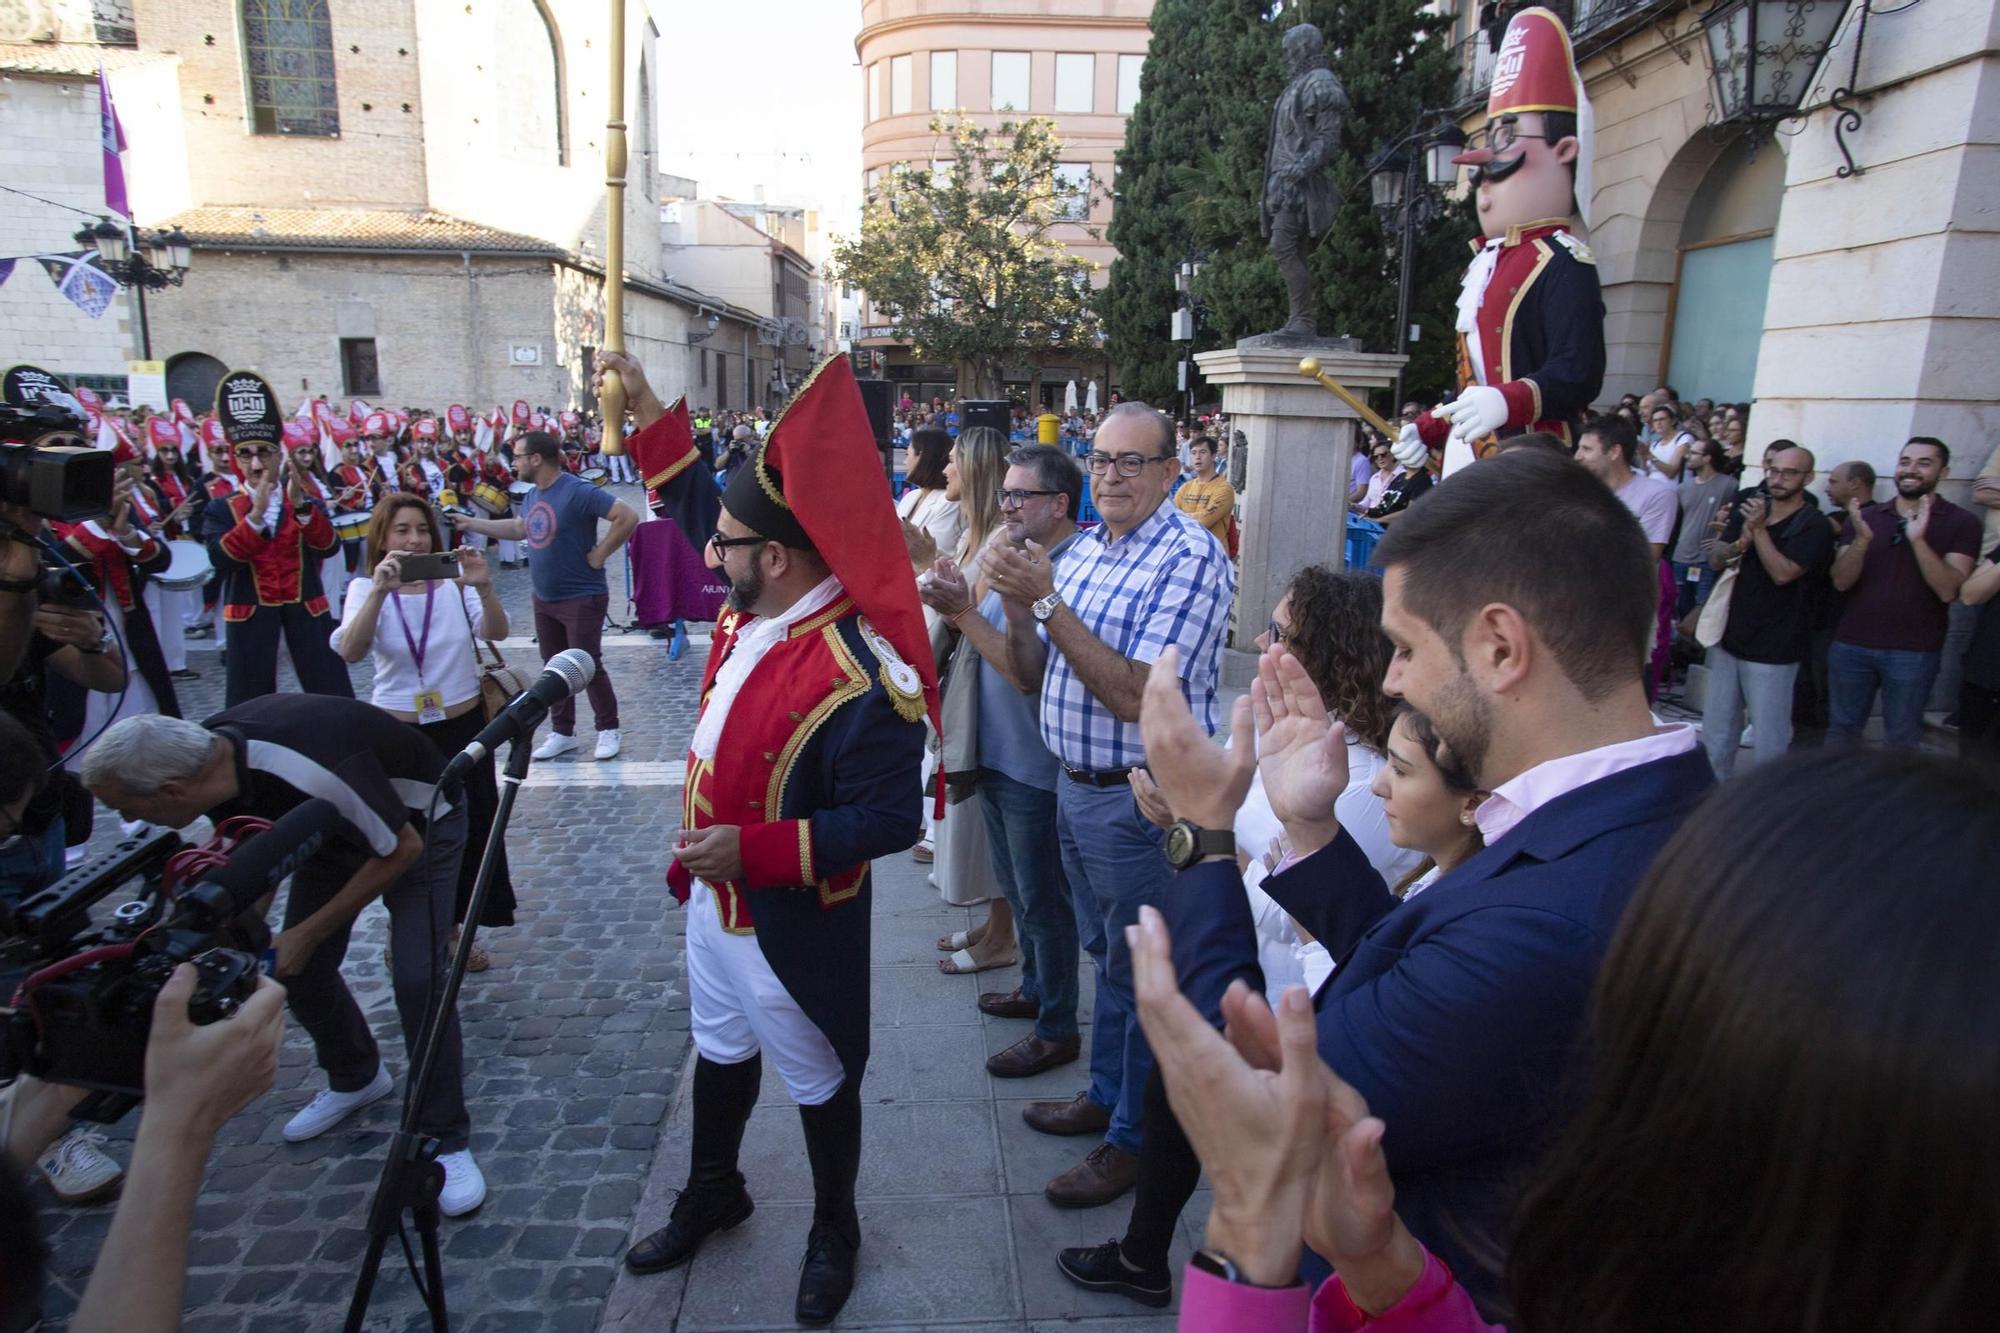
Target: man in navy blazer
[{"x": 1519, "y": 596}]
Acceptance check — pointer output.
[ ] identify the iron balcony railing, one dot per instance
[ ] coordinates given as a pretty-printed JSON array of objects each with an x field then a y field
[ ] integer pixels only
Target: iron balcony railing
[{"x": 1593, "y": 24}]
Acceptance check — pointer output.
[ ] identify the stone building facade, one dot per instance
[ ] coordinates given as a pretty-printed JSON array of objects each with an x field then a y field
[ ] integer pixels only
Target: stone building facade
[
  {"x": 1076, "y": 62},
  {"x": 1852, "y": 308},
  {"x": 406, "y": 194}
]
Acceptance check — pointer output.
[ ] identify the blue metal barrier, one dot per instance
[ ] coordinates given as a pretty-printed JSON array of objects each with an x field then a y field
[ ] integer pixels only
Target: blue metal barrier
[{"x": 1362, "y": 534}]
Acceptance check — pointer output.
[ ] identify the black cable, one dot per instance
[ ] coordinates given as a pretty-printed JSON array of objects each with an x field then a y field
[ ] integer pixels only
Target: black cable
[{"x": 55, "y": 549}]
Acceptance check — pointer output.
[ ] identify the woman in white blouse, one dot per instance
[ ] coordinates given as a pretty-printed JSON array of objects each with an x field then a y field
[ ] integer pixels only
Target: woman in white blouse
[
  {"x": 932, "y": 524},
  {"x": 419, "y": 637}
]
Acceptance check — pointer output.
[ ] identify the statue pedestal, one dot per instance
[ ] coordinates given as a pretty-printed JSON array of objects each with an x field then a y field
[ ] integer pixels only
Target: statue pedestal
[{"x": 1301, "y": 440}]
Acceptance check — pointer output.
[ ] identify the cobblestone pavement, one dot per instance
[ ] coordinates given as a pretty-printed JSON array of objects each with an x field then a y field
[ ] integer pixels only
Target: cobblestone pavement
[{"x": 574, "y": 1041}]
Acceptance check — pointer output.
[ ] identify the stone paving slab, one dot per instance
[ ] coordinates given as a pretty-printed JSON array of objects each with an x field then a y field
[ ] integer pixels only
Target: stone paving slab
[{"x": 956, "y": 1231}]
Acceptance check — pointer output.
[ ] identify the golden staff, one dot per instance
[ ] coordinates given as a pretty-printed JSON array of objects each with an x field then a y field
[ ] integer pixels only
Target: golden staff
[
  {"x": 611, "y": 398},
  {"x": 1310, "y": 369}
]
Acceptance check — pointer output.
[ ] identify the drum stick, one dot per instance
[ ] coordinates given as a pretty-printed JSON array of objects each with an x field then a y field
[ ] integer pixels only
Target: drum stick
[{"x": 1310, "y": 369}]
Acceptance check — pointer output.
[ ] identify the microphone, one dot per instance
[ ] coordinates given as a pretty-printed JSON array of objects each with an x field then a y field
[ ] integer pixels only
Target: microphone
[
  {"x": 257, "y": 866},
  {"x": 566, "y": 673}
]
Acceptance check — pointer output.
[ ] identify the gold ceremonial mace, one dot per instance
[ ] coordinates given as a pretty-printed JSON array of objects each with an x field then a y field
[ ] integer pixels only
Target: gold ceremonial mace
[
  {"x": 1310, "y": 369},
  {"x": 611, "y": 398}
]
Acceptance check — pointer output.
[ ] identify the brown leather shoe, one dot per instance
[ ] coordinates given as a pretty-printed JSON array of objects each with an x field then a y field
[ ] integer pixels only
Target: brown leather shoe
[
  {"x": 1104, "y": 1174},
  {"x": 1077, "y": 1116},
  {"x": 1008, "y": 1004},
  {"x": 1031, "y": 1055}
]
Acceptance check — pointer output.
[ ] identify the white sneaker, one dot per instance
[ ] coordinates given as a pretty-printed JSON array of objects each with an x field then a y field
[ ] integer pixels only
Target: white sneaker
[
  {"x": 554, "y": 744},
  {"x": 329, "y": 1108},
  {"x": 464, "y": 1186},
  {"x": 77, "y": 1169},
  {"x": 608, "y": 743}
]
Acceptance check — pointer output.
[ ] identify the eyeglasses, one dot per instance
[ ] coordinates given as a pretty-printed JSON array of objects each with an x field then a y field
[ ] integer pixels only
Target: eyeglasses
[
  {"x": 1274, "y": 632},
  {"x": 1786, "y": 471},
  {"x": 255, "y": 451},
  {"x": 1007, "y": 499},
  {"x": 1128, "y": 465},
  {"x": 722, "y": 543},
  {"x": 1502, "y": 134}
]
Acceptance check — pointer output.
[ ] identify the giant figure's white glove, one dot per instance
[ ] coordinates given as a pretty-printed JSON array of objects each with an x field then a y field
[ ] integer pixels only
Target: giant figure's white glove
[
  {"x": 1409, "y": 448},
  {"x": 1478, "y": 411}
]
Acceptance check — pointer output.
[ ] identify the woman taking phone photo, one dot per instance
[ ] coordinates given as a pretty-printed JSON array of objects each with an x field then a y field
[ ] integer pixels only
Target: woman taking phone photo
[{"x": 419, "y": 635}]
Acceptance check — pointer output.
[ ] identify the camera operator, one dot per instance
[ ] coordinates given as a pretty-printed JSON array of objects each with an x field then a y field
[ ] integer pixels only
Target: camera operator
[
  {"x": 264, "y": 758},
  {"x": 36, "y": 640},
  {"x": 197, "y": 1077}
]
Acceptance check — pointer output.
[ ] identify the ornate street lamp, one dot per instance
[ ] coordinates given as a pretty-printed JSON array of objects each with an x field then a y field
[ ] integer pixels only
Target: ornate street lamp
[
  {"x": 156, "y": 262},
  {"x": 1764, "y": 54},
  {"x": 1405, "y": 183}
]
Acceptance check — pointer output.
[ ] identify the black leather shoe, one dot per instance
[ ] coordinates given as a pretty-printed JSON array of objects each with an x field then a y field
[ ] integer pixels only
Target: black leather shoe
[
  {"x": 827, "y": 1275},
  {"x": 1103, "y": 1268},
  {"x": 695, "y": 1218}
]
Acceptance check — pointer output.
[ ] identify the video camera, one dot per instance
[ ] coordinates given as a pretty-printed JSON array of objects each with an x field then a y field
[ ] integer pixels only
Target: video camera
[
  {"x": 46, "y": 465},
  {"x": 85, "y": 1011}
]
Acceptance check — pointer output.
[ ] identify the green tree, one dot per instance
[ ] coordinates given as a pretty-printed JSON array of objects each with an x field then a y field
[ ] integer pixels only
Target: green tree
[
  {"x": 1193, "y": 166},
  {"x": 1395, "y": 60},
  {"x": 1212, "y": 68},
  {"x": 963, "y": 261}
]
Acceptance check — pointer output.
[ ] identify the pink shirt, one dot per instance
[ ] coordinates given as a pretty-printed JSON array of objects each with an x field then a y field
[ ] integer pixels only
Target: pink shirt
[
  {"x": 1437, "y": 1304},
  {"x": 1520, "y": 796}
]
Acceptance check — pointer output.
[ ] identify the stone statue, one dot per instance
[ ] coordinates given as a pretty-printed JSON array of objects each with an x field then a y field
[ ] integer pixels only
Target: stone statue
[{"x": 1299, "y": 200}]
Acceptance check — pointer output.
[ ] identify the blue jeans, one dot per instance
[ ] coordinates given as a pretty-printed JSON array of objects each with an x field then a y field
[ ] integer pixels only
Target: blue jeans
[
  {"x": 31, "y": 861},
  {"x": 1767, "y": 688},
  {"x": 1019, "y": 822},
  {"x": 1904, "y": 678},
  {"x": 1117, "y": 863},
  {"x": 1690, "y": 593}
]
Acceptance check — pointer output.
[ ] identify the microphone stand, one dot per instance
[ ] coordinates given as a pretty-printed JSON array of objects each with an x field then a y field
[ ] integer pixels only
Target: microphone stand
[{"x": 411, "y": 1179}]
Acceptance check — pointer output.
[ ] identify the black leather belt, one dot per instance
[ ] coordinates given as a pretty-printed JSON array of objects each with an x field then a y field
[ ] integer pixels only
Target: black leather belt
[{"x": 1104, "y": 777}]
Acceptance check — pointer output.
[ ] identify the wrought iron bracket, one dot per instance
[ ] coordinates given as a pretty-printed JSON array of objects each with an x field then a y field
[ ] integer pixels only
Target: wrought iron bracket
[{"x": 1847, "y": 116}]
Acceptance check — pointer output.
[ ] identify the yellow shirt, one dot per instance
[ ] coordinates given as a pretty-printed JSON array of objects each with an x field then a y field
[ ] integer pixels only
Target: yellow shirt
[{"x": 1209, "y": 503}]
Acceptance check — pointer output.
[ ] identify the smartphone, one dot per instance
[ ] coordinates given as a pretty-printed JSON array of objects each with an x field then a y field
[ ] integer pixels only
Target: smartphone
[{"x": 416, "y": 568}]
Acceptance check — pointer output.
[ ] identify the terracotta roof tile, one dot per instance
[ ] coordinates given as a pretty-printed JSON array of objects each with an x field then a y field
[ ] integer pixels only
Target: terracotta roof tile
[{"x": 346, "y": 229}]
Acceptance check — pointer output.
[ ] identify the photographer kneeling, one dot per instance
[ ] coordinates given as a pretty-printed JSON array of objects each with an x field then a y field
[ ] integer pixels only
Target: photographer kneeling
[
  {"x": 197, "y": 1077},
  {"x": 264, "y": 758}
]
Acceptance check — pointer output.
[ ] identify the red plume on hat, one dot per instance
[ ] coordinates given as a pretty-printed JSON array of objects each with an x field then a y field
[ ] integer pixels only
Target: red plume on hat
[
  {"x": 122, "y": 448},
  {"x": 820, "y": 468},
  {"x": 425, "y": 429},
  {"x": 377, "y": 424},
  {"x": 459, "y": 418},
  {"x": 357, "y": 412},
  {"x": 299, "y": 435},
  {"x": 521, "y": 411},
  {"x": 342, "y": 433},
  {"x": 162, "y": 433},
  {"x": 182, "y": 412}
]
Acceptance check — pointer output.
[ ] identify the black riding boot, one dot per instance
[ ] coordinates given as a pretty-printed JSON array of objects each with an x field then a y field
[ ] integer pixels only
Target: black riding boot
[
  {"x": 833, "y": 1145},
  {"x": 714, "y": 1199}
]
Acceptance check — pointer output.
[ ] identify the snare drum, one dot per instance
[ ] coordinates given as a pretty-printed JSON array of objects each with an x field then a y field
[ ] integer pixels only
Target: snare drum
[
  {"x": 187, "y": 567},
  {"x": 448, "y": 499},
  {"x": 490, "y": 498},
  {"x": 596, "y": 476},
  {"x": 352, "y": 525}
]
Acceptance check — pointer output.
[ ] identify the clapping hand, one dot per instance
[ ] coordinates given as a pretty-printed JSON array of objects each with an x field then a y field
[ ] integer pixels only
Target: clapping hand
[
  {"x": 920, "y": 544},
  {"x": 1198, "y": 779},
  {"x": 944, "y": 591},
  {"x": 1302, "y": 751},
  {"x": 1755, "y": 514},
  {"x": 1020, "y": 573},
  {"x": 1920, "y": 521},
  {"x": 1290, "y": 1148}
]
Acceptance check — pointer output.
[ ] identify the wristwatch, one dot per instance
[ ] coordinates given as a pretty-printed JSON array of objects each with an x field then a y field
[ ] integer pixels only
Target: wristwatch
[
  {"x": 1188, "y": 843},
  {"x": 1217, "y": 1264},
  {"x": 1044, "y": 607}
]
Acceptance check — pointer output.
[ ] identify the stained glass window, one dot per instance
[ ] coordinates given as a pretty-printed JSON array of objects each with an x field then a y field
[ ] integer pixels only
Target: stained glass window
[{"x": 288, "y": 58}]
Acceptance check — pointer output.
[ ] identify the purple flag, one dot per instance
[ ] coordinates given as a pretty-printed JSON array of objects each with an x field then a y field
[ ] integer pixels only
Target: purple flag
[{"x": 114, "y": 144}]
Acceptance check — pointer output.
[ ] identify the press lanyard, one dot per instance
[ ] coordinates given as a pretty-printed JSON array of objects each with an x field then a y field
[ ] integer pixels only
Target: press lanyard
[{"x": 418, "y": 646}]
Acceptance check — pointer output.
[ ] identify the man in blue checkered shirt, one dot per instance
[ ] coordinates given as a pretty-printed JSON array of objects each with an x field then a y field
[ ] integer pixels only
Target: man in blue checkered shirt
[{"x": 1147, "y": 578}]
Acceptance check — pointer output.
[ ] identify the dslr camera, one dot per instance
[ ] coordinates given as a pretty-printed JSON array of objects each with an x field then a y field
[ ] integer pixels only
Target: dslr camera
[{"x": 84, "y": 1011}]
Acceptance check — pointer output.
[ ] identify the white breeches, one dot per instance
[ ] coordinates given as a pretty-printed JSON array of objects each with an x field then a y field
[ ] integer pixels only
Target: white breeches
[{"x": 739, "y": 1007}]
